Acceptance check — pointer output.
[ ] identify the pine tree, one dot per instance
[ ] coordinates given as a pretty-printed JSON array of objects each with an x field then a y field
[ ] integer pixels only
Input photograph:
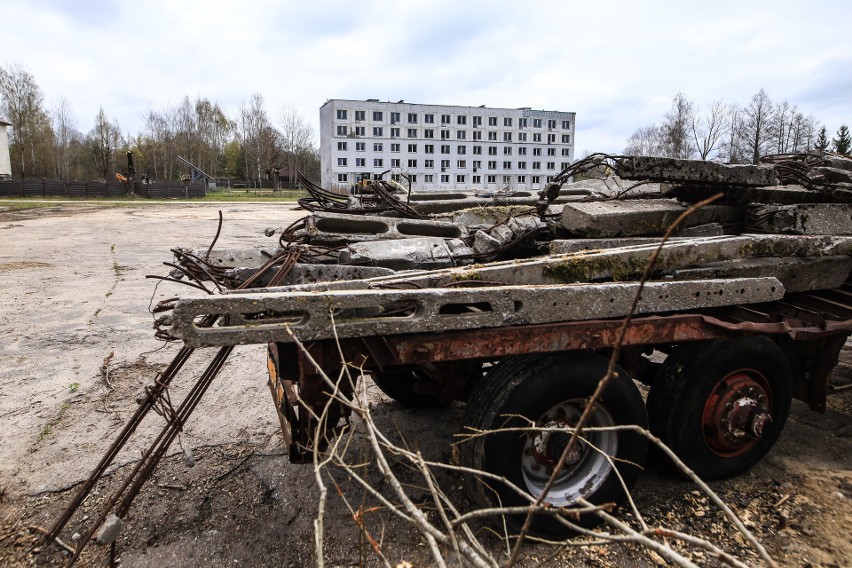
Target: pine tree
[
  {"x": 843, "y": 142},
  {"x": 821, "y": 144}
]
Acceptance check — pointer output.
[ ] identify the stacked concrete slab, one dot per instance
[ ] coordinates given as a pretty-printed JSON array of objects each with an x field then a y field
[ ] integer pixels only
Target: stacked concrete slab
[{"x": 763, "y": 236}]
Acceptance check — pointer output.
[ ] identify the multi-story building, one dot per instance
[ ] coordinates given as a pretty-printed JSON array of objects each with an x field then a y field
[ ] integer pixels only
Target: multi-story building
[{"x": 442, "y": 147}]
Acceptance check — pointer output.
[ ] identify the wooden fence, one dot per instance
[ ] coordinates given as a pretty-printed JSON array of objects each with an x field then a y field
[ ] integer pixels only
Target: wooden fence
[{"x": 45, "y": 188}]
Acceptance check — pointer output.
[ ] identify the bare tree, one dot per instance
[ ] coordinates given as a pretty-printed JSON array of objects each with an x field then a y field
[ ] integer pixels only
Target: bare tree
[
  {"x": 65, "y": 133},
  {"x": 260, "y": 140},
  {"x": 675, "y": 130},
  {"x": 708, "y": 129},
  {"x": 297, "y": 137},
  {"x": 21, "y": 101},
  {"x": 645, "y": 142},
  {"x": 755, "y": 127},
  {"x": 104, "y": 141}
]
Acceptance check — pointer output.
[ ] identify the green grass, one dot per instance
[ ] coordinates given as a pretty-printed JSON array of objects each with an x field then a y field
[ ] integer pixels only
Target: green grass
[{"x": 23, "y": 203}]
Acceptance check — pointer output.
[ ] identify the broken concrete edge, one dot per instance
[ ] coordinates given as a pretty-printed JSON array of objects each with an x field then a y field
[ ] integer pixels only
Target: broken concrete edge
[
  {"x": 673, "y": 170},
  {"x": 261, "y": 318},
  {"x": 801, "y": 219}
]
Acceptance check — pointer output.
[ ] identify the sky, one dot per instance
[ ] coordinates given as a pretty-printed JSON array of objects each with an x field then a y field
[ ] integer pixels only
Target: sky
[{"x": 616, "y": 63}]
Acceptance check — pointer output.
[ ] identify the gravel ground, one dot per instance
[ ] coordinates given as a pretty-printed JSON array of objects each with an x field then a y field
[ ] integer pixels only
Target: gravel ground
[{"x": 74, "y": 293}]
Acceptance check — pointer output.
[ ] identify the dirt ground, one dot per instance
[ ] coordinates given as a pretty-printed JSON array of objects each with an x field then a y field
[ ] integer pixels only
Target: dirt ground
[{"x": 74, "y": 293}]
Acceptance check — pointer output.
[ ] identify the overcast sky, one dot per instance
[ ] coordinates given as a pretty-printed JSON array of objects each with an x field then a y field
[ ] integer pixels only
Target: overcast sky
[{"x": 617, "y": 64}]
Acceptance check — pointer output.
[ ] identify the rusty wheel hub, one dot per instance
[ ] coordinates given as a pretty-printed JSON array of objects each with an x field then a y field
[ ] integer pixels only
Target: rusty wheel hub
[{"x": 737, "y": 413}]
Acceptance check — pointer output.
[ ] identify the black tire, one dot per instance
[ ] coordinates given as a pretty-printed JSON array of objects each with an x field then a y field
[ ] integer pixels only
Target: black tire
[
  {"x": 552, "y": 389},
  {"x": 402, "y": 386},
  {"x": 721, "y": 405}
]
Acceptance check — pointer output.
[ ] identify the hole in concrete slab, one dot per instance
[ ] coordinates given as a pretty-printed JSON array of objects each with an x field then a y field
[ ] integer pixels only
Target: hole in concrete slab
[
  {"x": 391, "y": 310},
  {"x": 428, "y": 230},
  {"x": 518, "y": 305},
  {"x": 465, "y": 308},
  {"x": 275, "y": 317},
  {"x": 337, "y": 225}
]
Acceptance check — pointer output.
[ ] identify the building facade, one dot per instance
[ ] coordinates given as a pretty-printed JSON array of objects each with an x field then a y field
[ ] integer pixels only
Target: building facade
[{"x": 442, "y": 147}]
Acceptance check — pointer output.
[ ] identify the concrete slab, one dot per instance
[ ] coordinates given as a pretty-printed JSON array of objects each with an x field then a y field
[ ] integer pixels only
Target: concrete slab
[
  {"x": 796, "y": 274},
  {"x": 802, "y": 219},
  {"x": 634, "y": 217},
  {"x": 336, "y": 229},
  {"x": 407, "y": 254},
  {"x": 671, "y": 170},
  {"x": 309, "y": 274},
  {"x": 261, "y": 318},
  {"x": 734, "y": 195}
]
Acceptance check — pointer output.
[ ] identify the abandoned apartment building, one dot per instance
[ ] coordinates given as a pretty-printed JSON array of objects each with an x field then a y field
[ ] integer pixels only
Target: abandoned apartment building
[{"x": 442, "y": 147}]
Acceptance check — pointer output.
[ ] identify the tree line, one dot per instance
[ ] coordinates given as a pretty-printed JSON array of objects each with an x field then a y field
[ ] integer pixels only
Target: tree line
[
  {"x": 733, "y": 133},
  {"x": 247, "y": 145}
]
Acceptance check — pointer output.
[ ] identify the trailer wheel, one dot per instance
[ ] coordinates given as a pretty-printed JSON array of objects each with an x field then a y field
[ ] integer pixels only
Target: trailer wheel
[
  {"x": 551, "y": 391},
  {"x": 721, "y": 405},
  {"x": 401, "y": 386}
]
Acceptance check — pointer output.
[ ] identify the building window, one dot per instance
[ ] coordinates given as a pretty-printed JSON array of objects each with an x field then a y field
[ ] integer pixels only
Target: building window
[
  {"x": 394, "y": 132},
  {"x": 551, "y": 123},
  {"x": 492, "y": 165},
  {"x": 429, "y": 164},
  {"x": 522, "y": 151},
  {"x": 341, "y": 161},
  {"x": 459, "y": 178},
  {"x": 536, "y": 151},
  {"x": 412, "y": 118},
  {"x": 507, "y": 150},
  {"x": 507, "y": 165},
  {"x": 522, "y": 123},
  {"x": 566, "y": 125},
  {"x": 536, "y": 165},
  {"x": 429, "y": 149},
  {"x": 551, "y": 165},
  {"x": 477, "y": 149},
  {"x": 377, "y": 115},
  {"x": 551, "y": 138},
  {"x": 359, "y": 115},
  {"x": 394, "y": 147},
  {"x": 412, "y": 133},
  {"x": 476, "y": 165},
  {"x": 429, "y": 118},
  {"x": 492, "y": 179},
  {"x": 412, "y": 163},
  {"x": 360, "y": 162},
  {"x": 477, "y": 121},
  {"x": 551, "y": 151},
  {"x": 476, "y": 179},
  {"x": 507, "y": 180},
  {"x": 360, "y": 131},
  {"x": 507, "y": 121},
  {"x": 341, "y": 146},
  {"x": 377, "y": 147},
  {"x": 378, "y": 131},
  {"x": 461, "y": 119},
  {"x": 412, "y": 148},
  {"x": 522, "y": 136},
  {"x": 477, "y": 135},
  {"x": 341, "y": 131},
  {"x": 536, "y": 123},
  {"x": 492, "y": 136},
  {"x": 395, "y": 163},
  {"x": 342, "y": 177},
  {"x": 566, "y": 138},
  {"x": 522, "y": 179},
  {"x": 461, "y": 149},
  {"x": 566, "y": 151},
  {"x": 492, "y": 150},
  {"x": 536, "y": 179},
  {"x": 413, "y": 178},
  {"x": 377, "y": 162},
  {"x": 428, "y": 133},
  {"x": 445, "y": 135},
  {"x": 394, "y": 117},
  {"x": 445, "y": 119},
  {"x": 445, "y": 148},
  {"x": 445, "y": 164},
  {"x": 360, "y": 146},
  {"x": 564, "y": 165},
  {"x": 536, "y": 137},
  {"x": 461, "y": 164},
  {"x": 507, "y": 137},
  {"x": 492, "y": 121},
  {"x": 445, "y": 179},
  {"x": 461, "y": 135},
  {"x": 428, "y": 178},
  {"x": 341, "y": 115},
  {"x": 522, "y": 165}
]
